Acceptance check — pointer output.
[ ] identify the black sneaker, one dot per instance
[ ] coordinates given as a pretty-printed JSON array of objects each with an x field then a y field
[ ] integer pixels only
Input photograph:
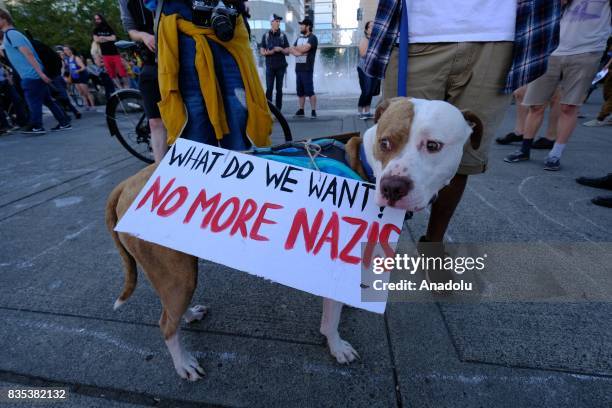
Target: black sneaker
[
  {"x": 604, "y": 182},
  {"x": 78, "y": 115},
  {"x": 552, "y": 163},
  {"x": 543, "y": 143},
  {"x": 516, "y": 157},
  {"x": 300, "y": 112},
  {"x": 33, "y": 130},
  {"x": 313, "y": 114},
  {"x": 603, "y": 201},
  {"x": 67, "y": 126},
  {"x": 509, "y": 138}
]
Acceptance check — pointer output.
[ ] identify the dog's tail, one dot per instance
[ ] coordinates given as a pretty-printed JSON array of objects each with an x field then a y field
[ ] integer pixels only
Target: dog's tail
[{"x": 129, "y": 263}]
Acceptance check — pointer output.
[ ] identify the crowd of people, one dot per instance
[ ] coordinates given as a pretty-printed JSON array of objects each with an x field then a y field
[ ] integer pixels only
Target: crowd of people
[{"x": 33, "y": 74}]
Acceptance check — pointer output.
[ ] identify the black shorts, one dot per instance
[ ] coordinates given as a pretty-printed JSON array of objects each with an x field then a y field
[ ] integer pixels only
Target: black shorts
[
  {"x": 82, "y": 78},
  {"x": 304, "y": 85},
  {"x": 149, "y": 88}
]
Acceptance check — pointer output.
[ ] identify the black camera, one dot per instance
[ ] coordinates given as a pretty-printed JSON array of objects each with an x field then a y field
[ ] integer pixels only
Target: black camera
[{"x": 217, "y": 15}]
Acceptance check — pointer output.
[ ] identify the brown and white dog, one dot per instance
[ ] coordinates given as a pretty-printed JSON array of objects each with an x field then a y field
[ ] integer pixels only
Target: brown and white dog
[{"x": 414, "y": 150}]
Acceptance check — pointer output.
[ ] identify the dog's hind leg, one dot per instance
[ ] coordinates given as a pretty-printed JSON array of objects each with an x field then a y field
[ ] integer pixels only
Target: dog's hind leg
[
  {"x": 174, "y": 276},
  {"x": 340, "y": 349}
]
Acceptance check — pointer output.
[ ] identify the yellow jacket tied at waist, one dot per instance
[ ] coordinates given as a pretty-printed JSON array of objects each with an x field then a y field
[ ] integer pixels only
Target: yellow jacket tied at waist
[{"x": 171, "y": 106}]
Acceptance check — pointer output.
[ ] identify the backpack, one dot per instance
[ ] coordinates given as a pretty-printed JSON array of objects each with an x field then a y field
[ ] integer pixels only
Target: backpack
[{"x": 51, "y": 62}]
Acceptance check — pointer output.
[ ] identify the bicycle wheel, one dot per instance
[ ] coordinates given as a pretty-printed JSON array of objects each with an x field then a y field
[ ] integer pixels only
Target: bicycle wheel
[
  {"x": 281, "y": 121},
  {"x": 127, "y": 121},
  {"x": 76, "y": 97}
]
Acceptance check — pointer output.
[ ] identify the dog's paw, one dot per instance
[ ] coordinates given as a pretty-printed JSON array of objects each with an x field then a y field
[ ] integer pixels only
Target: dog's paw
[
  {"x": 189, "y": 368},
  {"x": 195, "y": 313},
  {"x": 342, "y": 351}
]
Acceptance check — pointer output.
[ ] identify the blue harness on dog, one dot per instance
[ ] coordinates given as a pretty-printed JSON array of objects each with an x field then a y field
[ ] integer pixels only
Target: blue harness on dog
[{"x": 326, "y": 155}]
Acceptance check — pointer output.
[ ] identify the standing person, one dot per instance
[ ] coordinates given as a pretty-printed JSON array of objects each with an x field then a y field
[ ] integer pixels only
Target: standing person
[
  {"x": 60, "y": 91},
  {"x": 79, "y": 76},
  {"x": 274, "y": 46},
  {"x": 471, "y": 54},
  {"x": 585, "y": 28},
  {"x": 104, "y": 36},
  {"x": 304, "y": 49},
  {"x": 367, "y": 84},
  {"x": 34, "y": 81},
  {"x": 606, "y": 108},
  {"x": 516, "y": 135},
  {"x": 138, "y": 21}
]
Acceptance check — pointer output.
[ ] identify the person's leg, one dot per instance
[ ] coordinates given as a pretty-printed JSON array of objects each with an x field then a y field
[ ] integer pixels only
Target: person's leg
[
  {"x": 299, "y": 87},
  {"x": 361, "y": 103},
  {"x": 19, "y": 105},
  {"x": 521, "y": 111},
  {"x": 269, "y": 83},
  {"x": 234, "y": 98},
  {"x": 486, "y": 65},
  {"x": 33, "y": 93},
  {"x": 62, "y": 95},
  {"x": 606, "y": 108},
  {"x": 578, "y": 72},
  {"x": 59, "y": 114},
  {"x": 198, "y": 127},
  {"x": 280, "y": 76},
  {"x": 553, "y": 117},
  {"x": 158, "y": 139}
]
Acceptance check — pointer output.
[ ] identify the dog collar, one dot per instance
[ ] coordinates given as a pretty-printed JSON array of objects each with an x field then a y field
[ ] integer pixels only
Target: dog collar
[{"x": 366, "y": 166}]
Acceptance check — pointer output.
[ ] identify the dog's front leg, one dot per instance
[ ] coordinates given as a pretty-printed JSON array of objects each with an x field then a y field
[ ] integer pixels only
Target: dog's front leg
[{"x": 340, "y": 349}]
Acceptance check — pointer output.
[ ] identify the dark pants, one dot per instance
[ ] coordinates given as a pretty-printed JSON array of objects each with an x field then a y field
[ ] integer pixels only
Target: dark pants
[
  {"x": 37, "y": 93},
  {"x": 19, "y": 107},
  {"x": 198, "y": 127},
  {"x": 365, "y": 83},
  {"x": 60, "y": 93},
  {"x": 275, "y": 75}
]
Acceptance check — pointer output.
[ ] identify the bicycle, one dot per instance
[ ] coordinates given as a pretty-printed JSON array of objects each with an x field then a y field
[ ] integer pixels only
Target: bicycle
[
  {"x": 126, "y": 119},
  {"x": 76, "y": 97}
]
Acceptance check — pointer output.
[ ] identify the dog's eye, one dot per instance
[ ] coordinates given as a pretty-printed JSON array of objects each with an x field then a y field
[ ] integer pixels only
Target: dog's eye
[
  {"x": 433, "y": 146},
  {"x": 385, "y": 144}
]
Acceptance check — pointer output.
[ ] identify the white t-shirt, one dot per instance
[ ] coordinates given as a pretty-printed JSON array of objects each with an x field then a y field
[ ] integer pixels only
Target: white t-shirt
[
  {"x": 459, "y": 21},
  {"x": 585, "y": 27}
]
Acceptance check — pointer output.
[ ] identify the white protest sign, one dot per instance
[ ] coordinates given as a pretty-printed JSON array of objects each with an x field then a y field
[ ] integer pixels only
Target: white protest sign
[{"x": 294, "y": 226}]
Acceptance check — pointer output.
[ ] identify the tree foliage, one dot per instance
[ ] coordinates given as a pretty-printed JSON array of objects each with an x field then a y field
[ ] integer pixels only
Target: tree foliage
[{"x": 61, "y": 22}]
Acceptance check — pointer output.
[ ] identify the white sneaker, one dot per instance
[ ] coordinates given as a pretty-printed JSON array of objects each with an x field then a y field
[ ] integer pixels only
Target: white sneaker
[{"x": 597, "y": 123}]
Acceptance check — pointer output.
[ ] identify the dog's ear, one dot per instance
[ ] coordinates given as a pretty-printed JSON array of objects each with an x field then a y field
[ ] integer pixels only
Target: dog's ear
[
  {"x": 382, "y": 107},
  {"x": 477, "y": 128}
]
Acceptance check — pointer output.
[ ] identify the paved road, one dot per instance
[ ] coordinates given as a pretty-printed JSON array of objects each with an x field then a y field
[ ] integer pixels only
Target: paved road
[{"x": 60, "y": 274}]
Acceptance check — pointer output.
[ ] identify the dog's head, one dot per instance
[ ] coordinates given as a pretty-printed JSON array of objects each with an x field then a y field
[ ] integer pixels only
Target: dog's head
[{"x": 415, "y": 149}]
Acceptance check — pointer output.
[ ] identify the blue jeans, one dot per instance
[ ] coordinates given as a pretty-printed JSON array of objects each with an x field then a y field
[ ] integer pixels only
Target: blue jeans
[
  {"x": 199, "y": 127},
  {"x": 37, "y": 93}
]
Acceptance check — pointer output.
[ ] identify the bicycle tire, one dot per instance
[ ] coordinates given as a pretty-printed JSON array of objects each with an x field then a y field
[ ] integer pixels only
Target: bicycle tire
[
  {"x": 281, "y": 121},
  {"x": 111, "y": 121}
]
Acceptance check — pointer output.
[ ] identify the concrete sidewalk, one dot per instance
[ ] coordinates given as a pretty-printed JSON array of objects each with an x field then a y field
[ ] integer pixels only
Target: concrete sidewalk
[{"x": 260, "y": 346}]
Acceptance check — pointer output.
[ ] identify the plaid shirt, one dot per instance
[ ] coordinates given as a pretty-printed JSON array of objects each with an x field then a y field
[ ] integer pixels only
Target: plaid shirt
[{"x": 536, "y": 36}]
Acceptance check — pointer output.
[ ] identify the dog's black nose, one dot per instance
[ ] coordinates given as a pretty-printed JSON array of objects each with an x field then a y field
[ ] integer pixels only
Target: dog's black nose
[{"x": 395, "y": 187}]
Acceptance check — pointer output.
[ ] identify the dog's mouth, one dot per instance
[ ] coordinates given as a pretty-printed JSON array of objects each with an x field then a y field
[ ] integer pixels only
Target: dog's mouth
[{"x": 406, "y": 203}]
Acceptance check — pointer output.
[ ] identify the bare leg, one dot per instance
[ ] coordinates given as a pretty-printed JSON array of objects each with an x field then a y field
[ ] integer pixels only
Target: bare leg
[
  {"x": 313, "y": 102},
  {"x": 567, "y": 122},
  {"x": 443, "y": 208},
  {"x": 553, "y": 117},
  {"x": 330, "y": 319},
  {"x": 534, "y": 121},
  {"x": 158, "y": 139},
  {"x": 521, "y": 110},
  {"x": 302, "y": 101}
]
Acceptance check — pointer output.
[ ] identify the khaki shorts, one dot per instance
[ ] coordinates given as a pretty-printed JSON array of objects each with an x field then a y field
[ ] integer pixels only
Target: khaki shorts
[
  {"x": 468, "y": 75},
  {"x": 573, "y": 74}
]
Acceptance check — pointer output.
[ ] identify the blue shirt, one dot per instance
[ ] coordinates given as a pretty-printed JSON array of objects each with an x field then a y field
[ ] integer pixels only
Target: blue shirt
[
  {"x": 537, "y": 35},
  {"x": 13, "y": 39}
]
